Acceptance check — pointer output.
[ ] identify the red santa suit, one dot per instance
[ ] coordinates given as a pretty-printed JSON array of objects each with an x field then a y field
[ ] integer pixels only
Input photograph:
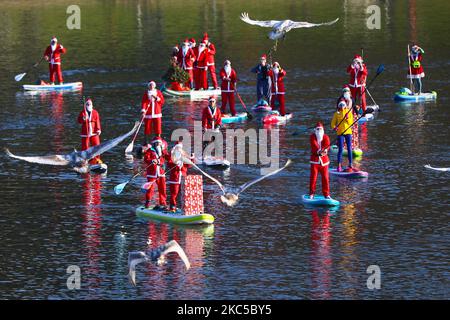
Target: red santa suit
[
  {"x": 156, "y": 173},
  {"x": 211, "y": 119},
  {"x": 278, "y": 90},
  {"x": 210, "y": 61},
  {"x": 90, "y": 130},
  {"x": 152, "y": 103},
  {"x": 415, "y": 60},
  {"x": 177, "y": 171},
  {"x": 357, "y": 84},
  {"x": 229, "y": 78},
  {"x": 319, "y": 163},
  {"x": 53, "y": 54},
  {"x": 201, "y": 68},
  {"x": 186, "y": 58}
]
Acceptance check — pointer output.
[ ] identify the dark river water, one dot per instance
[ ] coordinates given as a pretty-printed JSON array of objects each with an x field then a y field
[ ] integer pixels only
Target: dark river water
[{"x": 269, "y": 246}]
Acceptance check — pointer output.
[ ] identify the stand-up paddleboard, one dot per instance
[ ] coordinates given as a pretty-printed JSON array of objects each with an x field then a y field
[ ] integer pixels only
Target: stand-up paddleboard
[
  {"x": 351, "y": 175},
  {"x": 275, "y": 118},
  {"x": 356, "y": 152},
  {"x": 98, "y": 168},
  {"x": 218, "y": 163},
  {"x": 365, "y": 118},
  {"x": 227, "y": 118},
  {"x": 404, "y": 94},
  {"x": 192, "y": 94},
  {"x": 174, "y": 217},
  {"x": 261, "y": 108},
  {"x": 71, "y": 86},
  {"x": 319, "y": 201}
]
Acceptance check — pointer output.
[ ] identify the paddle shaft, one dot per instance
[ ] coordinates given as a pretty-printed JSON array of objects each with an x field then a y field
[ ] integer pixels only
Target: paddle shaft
[
  {"x": 410, "y": 72},
  {"x": 33, "y": 66},
  {"x": 245, "y": 107},
  {"x": 140, "y": 124}
]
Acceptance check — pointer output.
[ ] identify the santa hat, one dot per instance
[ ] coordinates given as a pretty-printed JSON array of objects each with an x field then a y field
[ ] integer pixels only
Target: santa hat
[
  {"x": 345, "y": 88},
  {"x": 203, "y": 42},
  {"x": 192, "y": 40},
  {"x": 212, "y": 98},
  {"x": 205, "y": 37},
  {"x": 150, "y": 83},
  {"x": 319, "y": 125},
  {"x": 276, "y": 64},
  {"x": 186, "y": 41},
  {"x": 54, "y": 39},
  {"x": 341, "y": 104},
  {"x": 264, "y": 57},
  {"x": 227, "y": 62},
  {"x": 88, "y": 102},
  {"x": 358, "y": 58}
]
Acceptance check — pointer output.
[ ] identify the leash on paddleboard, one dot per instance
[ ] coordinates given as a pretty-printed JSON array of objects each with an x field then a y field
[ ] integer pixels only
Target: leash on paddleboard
[
  {"x": 249, "y": 115},
  {"x": 20, "y": 76},
  {"x": 380, "y": 69}
]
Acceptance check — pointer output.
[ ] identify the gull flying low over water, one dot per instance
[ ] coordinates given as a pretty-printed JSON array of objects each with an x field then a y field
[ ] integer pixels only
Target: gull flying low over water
[
  {"x": 281, "y": 27},
  {"x": 156, "y": 256},
  {"x": 437, "y": 169},
  {"x": 78, "y": 160}
]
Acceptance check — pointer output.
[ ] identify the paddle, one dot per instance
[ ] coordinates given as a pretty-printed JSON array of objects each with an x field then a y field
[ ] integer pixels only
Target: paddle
[
  {"x": 119, "y": 188},
  {"x": 21, "y": 75},
  {"x": 249, "y": 115},
  {"x": 411, "y": 86},
  {"x": 147, "y": 185},
  {"x": 129, "y": 149},
  {"x": 380, "y": 69}
]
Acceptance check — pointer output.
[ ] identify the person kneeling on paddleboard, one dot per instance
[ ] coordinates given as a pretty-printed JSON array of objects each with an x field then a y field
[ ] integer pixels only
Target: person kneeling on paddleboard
[
  {"x": 53, "y": 55},
  {"x": 416, "y": 68},
  {"x": 341, "y": 123},
  {"x": 90, "y": 129},
  {"x": 320, "y": 144},
  {"x": 229, "y": 79},
  {"x": 211, "y": 116},
  {"x": 155, "y": 157},
  {"x": 177, "y": 171}
]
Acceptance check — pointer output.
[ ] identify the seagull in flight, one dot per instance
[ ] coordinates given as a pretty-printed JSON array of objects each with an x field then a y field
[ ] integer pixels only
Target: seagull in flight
[
  {"x": 156, "y": 256},
  {"x": 78, "y": 160},
  {"x": 281, "y": 27}
]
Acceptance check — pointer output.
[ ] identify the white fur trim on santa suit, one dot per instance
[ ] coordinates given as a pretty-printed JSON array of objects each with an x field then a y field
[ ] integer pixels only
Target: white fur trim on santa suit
[{"x": 416, "y": 76}]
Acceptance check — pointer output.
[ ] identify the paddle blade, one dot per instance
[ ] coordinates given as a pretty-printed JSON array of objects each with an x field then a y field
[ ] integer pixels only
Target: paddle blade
[
  {"x": 146, "y": 186},
  {"x": 19, "y": 76},
  {"x": 119, "y": 188},
  {"x": 249, "y": 116},
  {"x": 380, "y": 68},
  {"x": 129, "y": 149}
]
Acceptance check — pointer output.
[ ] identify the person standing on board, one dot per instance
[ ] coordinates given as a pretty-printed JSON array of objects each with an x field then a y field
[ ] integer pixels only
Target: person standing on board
[
  {"x": 210, "y": 60},
  {"x": 211, "y": 116},
  {"x": 151, "y": 109},
  {"x": 346, "y": 96},
  {"x": 90, "y": 129},
  {"x": 186, "y": 58},
  {"x": 201, "y": 67},
  {"x": 341, "y": 122},
  {"x": 417, "y": 72},
  {"x": 155, "y": 157},
  {"x": 262, "y": 80},
  {"x": 358, "y": 76},
  {"x": 320, "y": 144},
  {"x": 177, "y": 171},
  {"x": 229, "y": 79},
  {"x": 277, "y": 75},
  {"x": 53, "y": 55}
]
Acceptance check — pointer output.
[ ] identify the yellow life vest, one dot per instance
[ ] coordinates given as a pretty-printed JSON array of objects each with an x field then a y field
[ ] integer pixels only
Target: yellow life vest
[{"x": 416, "y": 64}]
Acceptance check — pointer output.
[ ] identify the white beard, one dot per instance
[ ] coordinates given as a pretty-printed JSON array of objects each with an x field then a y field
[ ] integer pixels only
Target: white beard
[
  {"x": 227, "y": 69},
  {"x": 53, "y": 46},
  {"x": 185, "y": 50},
  {"x": 151, "y": 93},
  {"x": 319, "y": 137},
  {"x": 276, "y": 70},
  {"x": 89, "y": 108},
  {"x": 200, "y": 49}
]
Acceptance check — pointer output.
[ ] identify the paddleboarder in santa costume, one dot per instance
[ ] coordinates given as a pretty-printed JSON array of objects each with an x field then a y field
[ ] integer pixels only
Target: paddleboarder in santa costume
[
  {"x": 416, "y": 68},
  {"x": 320, "y": 144},
  {"x": 201, "y": 67},
  {"x": 151, "y": 107},
  {"x": 155, "y": 156},
  {"x": 210, "y": 60},
  {"x": 90, "y": 128},
  {"x": 341, "y": 123},
  {"x": 211, "y": 116},
  {"x": 277, "y": 75},
  {"x": 186, "y": 58},
  {"x": 53, "y": 55},
  {"x": 177, "y": 171},
  {"x": 358, "y": 76},
  {"x": 229, "y": 79}
]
